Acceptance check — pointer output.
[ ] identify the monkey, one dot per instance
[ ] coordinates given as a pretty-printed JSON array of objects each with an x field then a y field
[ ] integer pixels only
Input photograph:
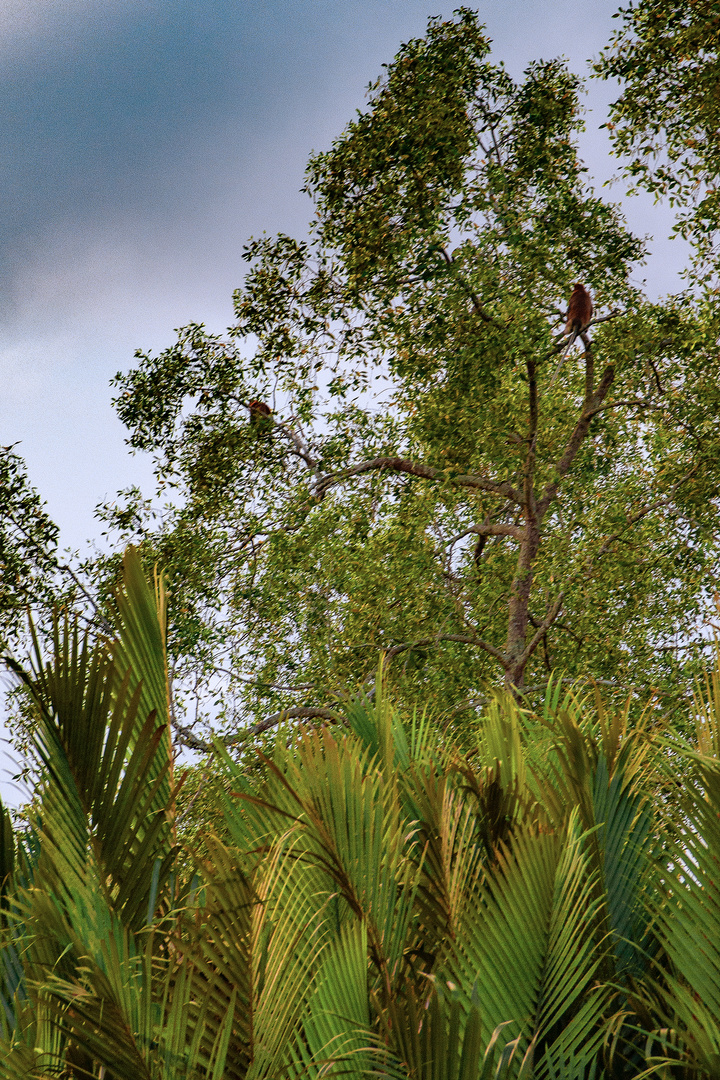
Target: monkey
[
  {"x": 258, "y": 409},
  {"x": 580, "y": 311},
  {"x": 260, "y": 423},
  {"x": 579, "y": 316},
  {"x": 259, "y": 413}
]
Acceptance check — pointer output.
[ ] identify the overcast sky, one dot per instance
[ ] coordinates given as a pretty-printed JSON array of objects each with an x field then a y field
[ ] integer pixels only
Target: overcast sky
[{"x": 143, "y": 141}]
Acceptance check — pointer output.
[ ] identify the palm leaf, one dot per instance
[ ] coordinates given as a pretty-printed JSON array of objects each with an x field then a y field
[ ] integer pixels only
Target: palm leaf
[
  {"x": 527, "y": 952},
  {"x": 104, "y": 746}
]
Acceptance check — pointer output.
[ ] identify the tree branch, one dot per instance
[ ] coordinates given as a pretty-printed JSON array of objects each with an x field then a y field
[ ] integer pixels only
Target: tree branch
[
  {"x": 517, "y": 531},
  {"x": 542, "y": 629},
  {"x": 633, "y": 520},
  {"x": 463, "y": 639},
  {"x": 65, "y": 568},
  {"x": 558, "y": 626},
  {"x": 639, "y": 403},
  {"x": 193, "y": 742},
  {"x": 474, "y": 299},
  {"x": 502, "y": 488},
  {"x": 651, "y": 362},
  {"x": 529, "y": 471},
  {"x": 300, "y": 450},
  {"x": 576, "y": 439},
  {"x": 589, "y": 369}
]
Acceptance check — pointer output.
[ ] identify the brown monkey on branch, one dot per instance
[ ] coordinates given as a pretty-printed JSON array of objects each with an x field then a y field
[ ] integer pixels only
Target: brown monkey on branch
[
  {"x": 261, "y": 424},
  {"x": 260, "y": 414},
  {"x": 579, "y": 316},
  {"x": 580, "y": 311},
  {"x": 258, "y": 409}
]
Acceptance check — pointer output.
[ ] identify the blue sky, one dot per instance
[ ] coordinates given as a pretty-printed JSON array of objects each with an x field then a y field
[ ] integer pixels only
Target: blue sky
[{"x": 142, "y": 142}]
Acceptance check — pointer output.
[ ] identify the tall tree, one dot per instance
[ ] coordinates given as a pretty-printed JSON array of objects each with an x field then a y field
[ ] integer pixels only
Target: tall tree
[{"x": 440, "y": 476}]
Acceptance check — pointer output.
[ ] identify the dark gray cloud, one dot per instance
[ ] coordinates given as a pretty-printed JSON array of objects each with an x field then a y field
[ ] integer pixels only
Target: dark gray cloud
[{"x": 103, "y": 114}]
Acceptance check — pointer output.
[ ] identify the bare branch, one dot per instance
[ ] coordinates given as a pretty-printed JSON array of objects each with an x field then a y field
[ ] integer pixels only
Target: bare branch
[
  {"x": 265, "y": 685},
  {"x": 193, "y": 742},
  {"x": 475, "y": 529},
  {"x": 186, "y": 737},
  {"x": 310, "y": 713},
  {"x": 639, "y": 403},
  {"x": 561, "y": 339},
  {"x": 300, "y": 448},
  {"x": 517, "y": 531},
  {"x": 463, "y": 639},
  {"x": 557, "y": 625}
]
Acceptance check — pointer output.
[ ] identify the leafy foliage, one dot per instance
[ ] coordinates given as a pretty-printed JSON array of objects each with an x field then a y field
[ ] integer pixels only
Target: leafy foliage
[
  {"x": 436, "y": 480},
  {"x": 667, "y": 118},
  {"x": 380, "y": 903},
  {"x": 388, "y": 893},
  {"x": 28, "y": 542}
]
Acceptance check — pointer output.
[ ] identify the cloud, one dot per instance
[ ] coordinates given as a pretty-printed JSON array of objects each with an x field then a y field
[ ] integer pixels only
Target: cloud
[{"x": 63, "y": 24}]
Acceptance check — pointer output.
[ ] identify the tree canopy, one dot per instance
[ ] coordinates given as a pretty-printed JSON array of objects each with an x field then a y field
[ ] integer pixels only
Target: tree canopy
[
  {"x": 666, "y": 122},
  {"x": 438, "y": 480},
  {"x": 28, "y": 548},
  {"x": 398, "y": 449}
]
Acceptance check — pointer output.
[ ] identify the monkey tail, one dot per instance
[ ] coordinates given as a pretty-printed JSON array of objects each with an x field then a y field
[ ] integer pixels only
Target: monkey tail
[{"x": 566, "y": 350}]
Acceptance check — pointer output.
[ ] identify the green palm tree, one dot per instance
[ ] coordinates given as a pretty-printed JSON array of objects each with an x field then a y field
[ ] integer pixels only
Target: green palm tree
[{"x": 372, "y": 902}]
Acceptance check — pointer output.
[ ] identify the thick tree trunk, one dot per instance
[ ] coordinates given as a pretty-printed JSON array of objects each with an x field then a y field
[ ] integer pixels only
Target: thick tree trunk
[
  {"x": 517, "y": 650},
  {"x": 518, "y": 607}
]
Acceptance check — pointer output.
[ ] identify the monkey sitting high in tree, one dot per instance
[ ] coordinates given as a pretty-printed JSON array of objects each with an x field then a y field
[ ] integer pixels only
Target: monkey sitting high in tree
[
  {"x": 579, "y": 316},
  {"x": 580, "y": 311},
  {"x": 258, "y": 409},
  {"x": 260, "y": 414}
]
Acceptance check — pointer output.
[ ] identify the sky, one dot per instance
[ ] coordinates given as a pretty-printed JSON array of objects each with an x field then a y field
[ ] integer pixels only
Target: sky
[{"x": 143, "y": 141}]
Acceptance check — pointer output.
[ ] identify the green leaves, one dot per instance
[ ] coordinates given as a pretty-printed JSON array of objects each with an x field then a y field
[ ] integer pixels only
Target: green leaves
[
  {"x": 666, "y": 119},
  {"x": 536, "y": 981},
  {"x": 542, "y": 903},
  {"x": 522, "y": 891},
  {"x": 388, "y": 182},
  {"x": 426, "y": 489},
  {"x": 28, "y": 543},
  {"x": 101, "y": 734}
]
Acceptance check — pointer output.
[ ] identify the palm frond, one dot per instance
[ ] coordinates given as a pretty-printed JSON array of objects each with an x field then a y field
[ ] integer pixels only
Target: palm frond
[{"x": 527, "y": 952}]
